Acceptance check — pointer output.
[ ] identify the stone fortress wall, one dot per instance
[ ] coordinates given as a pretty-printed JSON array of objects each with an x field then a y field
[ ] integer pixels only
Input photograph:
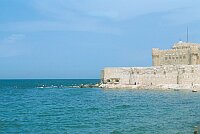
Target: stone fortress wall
[
  {"x": 181, "y": 53},
  {"x": 169, "y": 74},
  {"x": 179, "y": 65}
]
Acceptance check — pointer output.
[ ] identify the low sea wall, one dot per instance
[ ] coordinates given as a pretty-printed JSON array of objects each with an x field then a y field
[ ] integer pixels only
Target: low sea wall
[
  {"x": 153, "y": 76},
  {"x": 160, "y": 87}
]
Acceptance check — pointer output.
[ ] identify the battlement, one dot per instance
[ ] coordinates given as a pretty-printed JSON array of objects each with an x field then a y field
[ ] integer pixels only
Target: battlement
[
  {"x": 184, "y": 45},
  {"x": 155, "y": 51}
]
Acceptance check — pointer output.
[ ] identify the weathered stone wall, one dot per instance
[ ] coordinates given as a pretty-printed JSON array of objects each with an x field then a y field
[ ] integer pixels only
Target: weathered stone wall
[
  {"x": 179, "y": 66},
  {"x": 180, "y": 54},
  {"x": 168, "y": 74}
]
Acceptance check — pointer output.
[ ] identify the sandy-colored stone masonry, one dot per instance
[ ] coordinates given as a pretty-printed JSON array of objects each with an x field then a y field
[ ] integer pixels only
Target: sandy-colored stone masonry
[
  {"x": 182, "y": 53},
  {"x": 178, "y": 66},
  {"x": 168, "y": 74}
]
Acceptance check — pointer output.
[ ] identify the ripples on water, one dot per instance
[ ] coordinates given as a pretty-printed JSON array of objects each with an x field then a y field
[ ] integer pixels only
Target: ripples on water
[{"x": 27, "y": 109}]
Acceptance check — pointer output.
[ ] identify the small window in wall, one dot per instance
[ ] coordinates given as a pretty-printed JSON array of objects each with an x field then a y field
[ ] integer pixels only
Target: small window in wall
[
  {"x": 176, "y": 57},
  {"x": 154, "y": 73},
  {"x": 184, "y": 57},
  {"x": 173, "y": 58},
  {"x": 117, "y": 80},
  {"x": 108, "y": 80},
  {"x": 169, "y": 57},
  {"x": 165, "y": 58},
  {"x": 180, "y": 57},
  {"x": 192, "y": 71},
  {"x": 135, "y": 83},
  {"x": 183, "y": 71}
]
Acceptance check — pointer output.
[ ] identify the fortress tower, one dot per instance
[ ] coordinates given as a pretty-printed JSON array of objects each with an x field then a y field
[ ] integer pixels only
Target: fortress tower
[
  {"x": 155, "y": 57},
  {"x": 182, "y": 53}
]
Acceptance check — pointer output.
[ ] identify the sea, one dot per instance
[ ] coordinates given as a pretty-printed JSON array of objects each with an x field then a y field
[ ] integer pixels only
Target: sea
[{"x": 59, "y": 107}]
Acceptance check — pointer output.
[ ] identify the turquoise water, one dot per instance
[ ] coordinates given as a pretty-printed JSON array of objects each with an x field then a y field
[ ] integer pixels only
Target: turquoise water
[{"x": 25, "y": 108}]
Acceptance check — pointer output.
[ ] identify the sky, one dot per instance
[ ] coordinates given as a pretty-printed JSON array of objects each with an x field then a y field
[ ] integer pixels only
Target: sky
[{"x": 72, "y": 39}]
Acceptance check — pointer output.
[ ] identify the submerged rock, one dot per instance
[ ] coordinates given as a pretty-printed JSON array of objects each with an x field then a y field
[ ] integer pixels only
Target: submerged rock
[{"x": 97, "y": 85}]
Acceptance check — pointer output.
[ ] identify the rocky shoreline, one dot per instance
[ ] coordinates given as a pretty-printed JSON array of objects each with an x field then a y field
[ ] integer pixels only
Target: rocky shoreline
[
  {"x": 176, "y": 87},
  {"x": 195, "y": 87}
]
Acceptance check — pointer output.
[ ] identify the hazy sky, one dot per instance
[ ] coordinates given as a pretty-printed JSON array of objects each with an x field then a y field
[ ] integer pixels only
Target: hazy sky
[{"x": 78, "y": 38}]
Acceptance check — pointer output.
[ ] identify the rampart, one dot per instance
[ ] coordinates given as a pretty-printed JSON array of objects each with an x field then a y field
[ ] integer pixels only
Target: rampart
[{"x": 170, "y": 74}]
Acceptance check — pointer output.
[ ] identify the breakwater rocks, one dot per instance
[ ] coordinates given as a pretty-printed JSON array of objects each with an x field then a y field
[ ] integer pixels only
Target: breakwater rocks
[
  {"x": 175, "y": 87},
  {"x": 90, "y": 85},
  {"x": 97, "y": 85}
]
